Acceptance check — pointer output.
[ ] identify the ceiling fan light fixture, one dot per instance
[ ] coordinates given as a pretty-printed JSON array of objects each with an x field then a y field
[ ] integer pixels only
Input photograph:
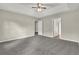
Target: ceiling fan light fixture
[{"x": 39, "y": 9}]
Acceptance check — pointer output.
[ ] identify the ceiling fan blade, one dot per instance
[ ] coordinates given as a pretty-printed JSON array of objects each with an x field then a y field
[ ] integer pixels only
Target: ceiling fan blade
[
  {"x": 34, "y": 7},
  {"x": 43, "y": 7}
]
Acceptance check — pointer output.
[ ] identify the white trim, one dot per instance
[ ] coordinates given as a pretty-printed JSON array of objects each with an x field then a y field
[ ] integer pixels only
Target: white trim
[
  {"x": 48, "y": 36},
  {"x": 18, "y": 38},
  {"x": 69, "y": 40}
]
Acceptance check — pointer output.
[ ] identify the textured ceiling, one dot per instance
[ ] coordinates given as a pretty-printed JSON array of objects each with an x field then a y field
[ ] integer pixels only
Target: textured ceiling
[{"x": 26, "y": 8}]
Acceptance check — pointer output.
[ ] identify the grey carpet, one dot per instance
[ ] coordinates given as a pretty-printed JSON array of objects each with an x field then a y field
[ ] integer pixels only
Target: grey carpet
[{"x": 39, "y": 45}]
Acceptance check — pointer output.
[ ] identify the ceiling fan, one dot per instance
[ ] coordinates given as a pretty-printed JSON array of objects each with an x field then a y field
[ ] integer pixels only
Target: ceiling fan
[{"x": 40, "y": 7}]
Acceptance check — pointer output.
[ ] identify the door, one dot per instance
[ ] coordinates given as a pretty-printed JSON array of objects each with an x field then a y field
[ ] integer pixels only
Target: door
[
  {"x": 57, "y": 27},
  {"x": 40, "y": 27}
]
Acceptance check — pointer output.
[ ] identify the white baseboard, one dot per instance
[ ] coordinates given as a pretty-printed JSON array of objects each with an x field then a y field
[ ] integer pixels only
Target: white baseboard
[
  {"x": 17, "y": 38},
  {"x": 64, "y": 39},
  {"x": 48, "y": 36},
  {"x": 69, "y": 40}
]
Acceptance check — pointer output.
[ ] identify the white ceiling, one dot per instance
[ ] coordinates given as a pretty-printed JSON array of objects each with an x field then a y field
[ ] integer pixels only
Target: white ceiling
[{"x": 26, "y": 8}]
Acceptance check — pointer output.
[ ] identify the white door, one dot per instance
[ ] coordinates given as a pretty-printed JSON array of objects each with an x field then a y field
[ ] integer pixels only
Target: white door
[
  {"x": 40, "y": 27},
  {"x": 57, "y": 27}
]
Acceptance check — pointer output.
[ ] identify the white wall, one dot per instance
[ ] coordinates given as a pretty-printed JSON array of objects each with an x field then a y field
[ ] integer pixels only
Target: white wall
[
  {"x": 15, "y": 26},
  {"x": 47, "y": 27},
  {"x": 70, "y": 25}
]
